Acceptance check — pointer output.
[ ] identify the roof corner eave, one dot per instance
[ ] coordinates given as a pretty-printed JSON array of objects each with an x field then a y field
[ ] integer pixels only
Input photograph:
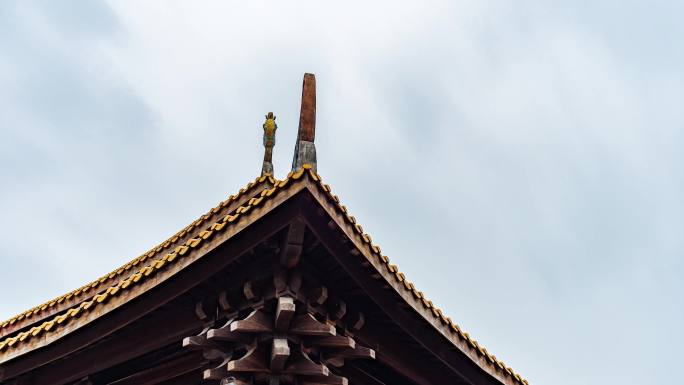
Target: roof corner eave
[{"x": 362, "y": 242}]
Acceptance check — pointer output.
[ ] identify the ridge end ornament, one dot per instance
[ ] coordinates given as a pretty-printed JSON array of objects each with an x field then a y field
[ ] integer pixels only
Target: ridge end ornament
[
  {"x": 305, "y": 150},
  {"x": 270, "y": 128}
]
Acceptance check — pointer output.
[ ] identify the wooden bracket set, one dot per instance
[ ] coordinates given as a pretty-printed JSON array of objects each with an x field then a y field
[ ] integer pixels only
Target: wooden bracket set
[{"x": 281, "y": 332}]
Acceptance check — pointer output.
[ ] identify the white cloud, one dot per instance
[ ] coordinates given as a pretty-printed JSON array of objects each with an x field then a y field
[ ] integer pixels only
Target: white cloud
[{"x": 519, "y": 161}]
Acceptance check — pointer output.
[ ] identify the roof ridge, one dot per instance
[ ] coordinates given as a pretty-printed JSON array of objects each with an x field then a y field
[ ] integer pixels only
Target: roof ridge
[{"x": 118, "y": 272}]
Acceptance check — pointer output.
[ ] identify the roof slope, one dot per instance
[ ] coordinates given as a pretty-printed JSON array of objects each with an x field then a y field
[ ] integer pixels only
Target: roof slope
[
  {"x": 110, "y": 291},
  {"x": 89, "y": 290}
]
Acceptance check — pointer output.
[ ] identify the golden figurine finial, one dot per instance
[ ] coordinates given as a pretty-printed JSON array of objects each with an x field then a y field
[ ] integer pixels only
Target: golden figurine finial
[{"x": 270, "y": 128}]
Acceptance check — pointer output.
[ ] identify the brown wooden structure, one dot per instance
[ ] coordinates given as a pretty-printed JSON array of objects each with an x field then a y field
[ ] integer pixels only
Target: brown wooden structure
[{"x": 278, "y": 284}]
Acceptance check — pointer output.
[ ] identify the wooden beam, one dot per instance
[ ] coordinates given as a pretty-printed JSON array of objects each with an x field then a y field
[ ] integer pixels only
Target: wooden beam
[
  {"x": 358, "y": 352},
  {"x": 339, "y": 342},
  {"x": 390, "y": 352},
  {"x": 318, "y": 295},
  {"x": 223, "y": 301},
  {"x": 223, "y": 333},
  {"x": 255, "y": 322},
  {"x": 251, "y": 291},
  {"x": 194, "y": 377},
  {"x": 285, "y": 310},
  {"x": 306, "y": 324},
  {"x": 279, "y": 280},
  {"x": 330, "y": 379},
  {"x": 294, "y": 282},
  {"x": 279, "y": 354},
  {"x": 362, "y": 376},
  {"x": 200, "y": 312},
  {"x": 211, "y": 349},
  {"x": 165, "y": 371},
  {"x": 339, "y": 309},
  {"x": 252, "y": 361},
  {"x": 151, "y": 334},
  {"x": 218, "y": 372},
  {"x": 356, "y": 320},
  {"x": 235, "y": 381},
  {"x": 301, "y": 364}
]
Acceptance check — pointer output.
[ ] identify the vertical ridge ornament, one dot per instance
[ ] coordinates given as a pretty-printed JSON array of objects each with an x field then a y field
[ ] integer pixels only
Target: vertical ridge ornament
[
  {"x": 305, "y": 150},
  {"x": 270, "y": 128}
]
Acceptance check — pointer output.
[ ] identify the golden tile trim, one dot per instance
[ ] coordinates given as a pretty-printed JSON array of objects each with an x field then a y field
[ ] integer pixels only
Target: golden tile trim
[
  {"x": 81, "y": 291},
  {"x": 146, "y": 271},
  {"x": 408, "y": 286}
]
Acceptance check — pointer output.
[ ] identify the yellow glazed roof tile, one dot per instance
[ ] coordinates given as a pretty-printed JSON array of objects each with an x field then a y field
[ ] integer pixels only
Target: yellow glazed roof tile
[
  {"x": 410, "y": 288},
  {"x": 85, "y": 289},
  {"x": 146, "y": 271}
]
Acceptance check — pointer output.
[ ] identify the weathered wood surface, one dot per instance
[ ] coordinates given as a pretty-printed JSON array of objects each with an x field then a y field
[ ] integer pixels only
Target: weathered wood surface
[
  {"x": 307, "y": 113},
  {"x": 163, "y": 372},
  {"x": 285, "y": 310},
  {"x": 292, "y": 245},
  {"x": 290, "y": 335},
  {"x": 280, "y": 352},
  {"x": 305, "y": 150}
]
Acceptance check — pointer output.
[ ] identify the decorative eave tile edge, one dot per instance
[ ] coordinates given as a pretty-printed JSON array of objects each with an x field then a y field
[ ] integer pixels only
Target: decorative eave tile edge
[
  {"x": 411, "y": 290},
  {"x": 53, "y": 324},
  {"x": 90, "y": 289}
]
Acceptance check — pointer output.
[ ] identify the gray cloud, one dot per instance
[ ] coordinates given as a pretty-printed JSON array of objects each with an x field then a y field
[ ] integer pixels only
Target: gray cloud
[{"x": 519, "y": 162}]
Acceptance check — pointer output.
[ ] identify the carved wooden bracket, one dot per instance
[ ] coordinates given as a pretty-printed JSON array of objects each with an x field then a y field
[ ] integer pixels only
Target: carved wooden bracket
[{"x": 281, "y": 333}]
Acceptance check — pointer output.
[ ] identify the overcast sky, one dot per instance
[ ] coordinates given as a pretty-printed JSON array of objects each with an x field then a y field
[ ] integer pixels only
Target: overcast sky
[{"x": 520, "y": 161}]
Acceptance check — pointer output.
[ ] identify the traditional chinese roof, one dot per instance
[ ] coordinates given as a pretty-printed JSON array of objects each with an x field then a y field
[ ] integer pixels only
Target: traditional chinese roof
[{"x": 47, "y": 323}]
